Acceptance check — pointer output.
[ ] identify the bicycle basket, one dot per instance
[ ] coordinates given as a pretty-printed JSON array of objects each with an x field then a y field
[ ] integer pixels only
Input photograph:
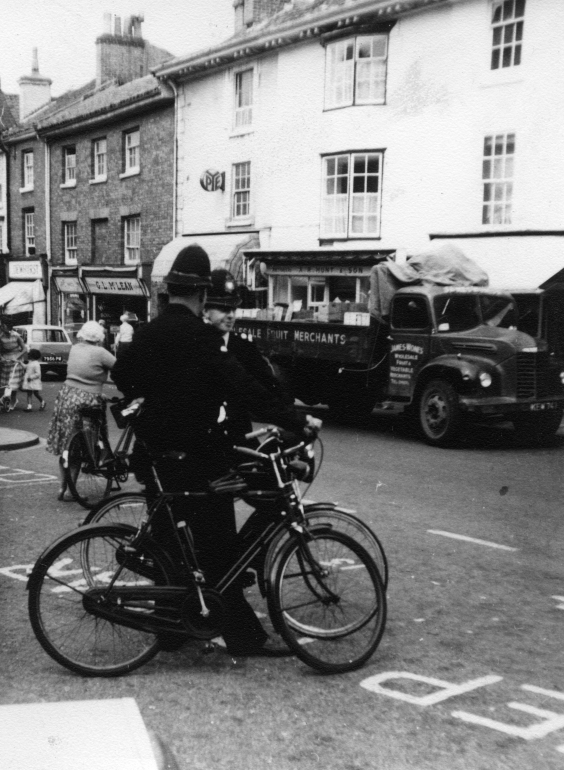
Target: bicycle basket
[{"x": 122, "y": 421}]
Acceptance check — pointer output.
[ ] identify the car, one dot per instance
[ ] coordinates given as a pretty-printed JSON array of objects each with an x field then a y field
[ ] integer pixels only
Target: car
[{"x": 53, "y": 342}]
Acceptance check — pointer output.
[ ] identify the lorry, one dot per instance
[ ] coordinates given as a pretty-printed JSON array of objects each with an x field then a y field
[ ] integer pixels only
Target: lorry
[{"x": 441, "y": 347}]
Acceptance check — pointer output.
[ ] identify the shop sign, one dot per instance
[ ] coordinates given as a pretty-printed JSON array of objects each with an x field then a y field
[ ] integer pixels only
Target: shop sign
[
  {"x": 114, "y": 286},
  {"x": 352, "y": 270},
  {"x": 68, "y": 285},
  {"x": 25, "y": 270},
  {"x": 212, "y": 180}
]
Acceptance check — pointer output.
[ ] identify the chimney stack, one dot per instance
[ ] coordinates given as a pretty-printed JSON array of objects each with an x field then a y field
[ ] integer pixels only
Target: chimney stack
[
  {"x": 35, "y": 89},
  {"x": 121, "y": 53}
]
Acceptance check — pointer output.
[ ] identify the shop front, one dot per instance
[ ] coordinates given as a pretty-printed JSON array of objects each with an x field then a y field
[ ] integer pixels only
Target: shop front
[
  {"x": 23, "y": 297},
  {"x": 70, "y": 308},
  {"x": 113, "y": 291}
]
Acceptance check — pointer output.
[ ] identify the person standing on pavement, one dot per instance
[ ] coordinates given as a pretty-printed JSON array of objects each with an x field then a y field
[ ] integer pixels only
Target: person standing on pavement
[
  {"x": 221, "y": 303},
  {"x": 182, "y": 369},
  {"x": 32, "y": 380},
  {"x": 124, "y": 337},
  {"x": 87, "y": 370},
  {"x": 12, "y": 351}
]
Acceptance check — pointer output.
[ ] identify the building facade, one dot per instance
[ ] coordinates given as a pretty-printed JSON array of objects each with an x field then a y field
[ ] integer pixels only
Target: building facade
[
  {"x": 91, "y": 178},
  {"x": 379, "y": 125}
]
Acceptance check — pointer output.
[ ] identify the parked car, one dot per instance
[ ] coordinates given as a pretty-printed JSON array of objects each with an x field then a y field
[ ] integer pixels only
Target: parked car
[{"x": 53, "y": 342}]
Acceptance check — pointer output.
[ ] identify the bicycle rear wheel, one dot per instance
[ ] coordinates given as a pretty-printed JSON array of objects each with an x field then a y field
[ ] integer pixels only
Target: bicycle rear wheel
[
  {"x": 87, "y": 482},
  {"x": 329, "y": 602},
  {"x": 63, "y": 580},
  {"x": 126, "y": 508}
]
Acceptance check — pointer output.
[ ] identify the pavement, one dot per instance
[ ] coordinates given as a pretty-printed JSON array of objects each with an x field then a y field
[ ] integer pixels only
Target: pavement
[{"x": 16, "y": 439}]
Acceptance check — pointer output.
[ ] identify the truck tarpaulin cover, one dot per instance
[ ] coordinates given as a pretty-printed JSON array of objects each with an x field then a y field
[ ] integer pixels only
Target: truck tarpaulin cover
[{"x": 444, "y": 265}]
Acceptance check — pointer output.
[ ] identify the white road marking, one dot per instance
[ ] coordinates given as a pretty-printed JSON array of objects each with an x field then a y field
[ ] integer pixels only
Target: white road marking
[
  {"x": 11, "y": 571},
  {"x": 10, "y": 476},
  {"x": 445, "y": 689},
  {"x": 559, "y": 599},
  {"x": 471, "y": 540}
]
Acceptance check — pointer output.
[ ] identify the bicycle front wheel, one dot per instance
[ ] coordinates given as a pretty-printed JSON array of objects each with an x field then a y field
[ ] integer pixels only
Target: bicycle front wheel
[
  {"x": 126, "y": 508},
  {"x": 329, "y": 519},
  {"x": 329, "y": 602},
  {"x": 61, "y": 583},
  {"x": 87, "y": 482}
]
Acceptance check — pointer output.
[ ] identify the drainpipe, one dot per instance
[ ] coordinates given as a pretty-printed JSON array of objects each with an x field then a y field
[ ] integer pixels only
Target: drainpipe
[
  {"x": 175, "y": 156},
  {"x": 48, "y": 224}
]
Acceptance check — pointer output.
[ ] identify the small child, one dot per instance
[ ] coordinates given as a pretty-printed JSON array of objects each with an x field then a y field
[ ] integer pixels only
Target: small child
[{"x": 32, "y": 380}]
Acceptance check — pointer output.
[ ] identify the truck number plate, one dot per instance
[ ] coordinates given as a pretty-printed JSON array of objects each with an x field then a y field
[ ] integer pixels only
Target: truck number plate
[
  {"x": 544, "y": 406},
  {"x": 52, "y": 359}
]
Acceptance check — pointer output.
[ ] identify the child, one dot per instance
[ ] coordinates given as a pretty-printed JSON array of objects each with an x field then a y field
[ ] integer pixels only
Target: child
[{"x": 32, "y": 380}]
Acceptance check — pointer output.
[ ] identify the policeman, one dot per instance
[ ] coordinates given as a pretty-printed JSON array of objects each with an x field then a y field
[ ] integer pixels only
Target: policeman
[
  {"x": 182, "y": 369},
  {"x": 222, "y": 300}
]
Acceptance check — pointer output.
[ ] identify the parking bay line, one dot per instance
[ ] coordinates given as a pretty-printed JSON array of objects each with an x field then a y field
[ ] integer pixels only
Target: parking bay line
[{"x": 467, "y": 539}]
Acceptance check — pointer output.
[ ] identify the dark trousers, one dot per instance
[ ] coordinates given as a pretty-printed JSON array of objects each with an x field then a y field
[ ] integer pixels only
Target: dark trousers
[{"x": 212, "y": 523}]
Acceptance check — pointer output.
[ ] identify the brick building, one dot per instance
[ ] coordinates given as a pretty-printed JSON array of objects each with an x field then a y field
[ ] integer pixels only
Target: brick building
[{"x": 102, "y": 201}]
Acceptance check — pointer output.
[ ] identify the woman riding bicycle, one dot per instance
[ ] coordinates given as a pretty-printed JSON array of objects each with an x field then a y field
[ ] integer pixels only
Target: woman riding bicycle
[{"x": 88, "y": 367}]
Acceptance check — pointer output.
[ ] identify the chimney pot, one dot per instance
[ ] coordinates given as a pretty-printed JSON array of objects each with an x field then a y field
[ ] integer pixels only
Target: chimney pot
[
  {"x": 107, "y": 24},
  {"x": 117, "y": 26}
]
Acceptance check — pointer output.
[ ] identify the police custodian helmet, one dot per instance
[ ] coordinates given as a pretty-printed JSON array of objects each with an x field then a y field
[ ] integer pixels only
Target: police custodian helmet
[
  {"x": 191, "y": 267},
  {"x": 223, "y": 292}
]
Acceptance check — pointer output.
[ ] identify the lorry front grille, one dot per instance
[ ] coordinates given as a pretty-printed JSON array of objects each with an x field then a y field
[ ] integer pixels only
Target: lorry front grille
[{"x": 532, "y": 375}]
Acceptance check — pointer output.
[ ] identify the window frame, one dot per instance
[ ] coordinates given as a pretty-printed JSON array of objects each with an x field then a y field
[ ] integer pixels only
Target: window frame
[
  {"x": 507, "y": 23},
  {"x": 132, "y": 240},
  {"x": 28, "y": 221},
  {"x": 496, "y": 187},
  {"x": 350, "y": 214},
  {"x": 349, "y": 73},
  {"x": 129, "y": 168},
  {"x": 70, "y": 243},
  {"x": 97, "y": 175},
  {"x": 243, "y": 114},
  {"x": 241, "y": 196},
  {"x": 69, "y": 170},
  {"x": 28, "y": 171}
]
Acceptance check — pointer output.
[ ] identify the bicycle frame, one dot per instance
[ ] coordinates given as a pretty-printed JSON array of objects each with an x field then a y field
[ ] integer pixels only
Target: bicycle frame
[{"x": 292, "y": 520}]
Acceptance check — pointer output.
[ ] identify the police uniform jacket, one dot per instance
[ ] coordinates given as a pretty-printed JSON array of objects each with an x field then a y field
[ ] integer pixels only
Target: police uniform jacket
[{"x": 181, "y": 367}]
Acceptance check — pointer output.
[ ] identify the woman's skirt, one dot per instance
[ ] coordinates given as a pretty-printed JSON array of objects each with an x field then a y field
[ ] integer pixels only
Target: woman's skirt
[
  {"x": 11, "y": 374},
  {"x": 66, "y": 416}
]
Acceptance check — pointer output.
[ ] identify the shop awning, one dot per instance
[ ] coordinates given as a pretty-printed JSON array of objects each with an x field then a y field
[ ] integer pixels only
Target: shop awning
[
  {"x": 318, "y": 257},
  {"x": 221, "y": 249},
  {"x": 23, "y": 297}
]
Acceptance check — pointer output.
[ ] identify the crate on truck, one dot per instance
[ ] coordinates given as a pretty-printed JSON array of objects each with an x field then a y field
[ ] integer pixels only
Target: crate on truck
[{"x": 429, "y": 338}]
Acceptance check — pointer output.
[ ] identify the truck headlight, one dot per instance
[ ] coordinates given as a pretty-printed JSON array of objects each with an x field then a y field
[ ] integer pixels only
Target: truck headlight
[
  {"x": 562, "y": 377},
  {"x": 485, "y": 379}
]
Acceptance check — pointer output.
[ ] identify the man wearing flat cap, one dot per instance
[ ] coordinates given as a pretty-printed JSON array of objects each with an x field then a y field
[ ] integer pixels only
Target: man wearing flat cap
[{"x": 182, "y": 369}]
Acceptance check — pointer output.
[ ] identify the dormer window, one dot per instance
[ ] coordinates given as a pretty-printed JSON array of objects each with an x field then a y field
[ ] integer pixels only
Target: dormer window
[{"x": 356, "y": 71}]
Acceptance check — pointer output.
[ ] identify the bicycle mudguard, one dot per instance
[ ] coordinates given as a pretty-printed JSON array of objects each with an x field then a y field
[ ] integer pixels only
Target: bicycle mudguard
[{"x": 312, "y": 507}]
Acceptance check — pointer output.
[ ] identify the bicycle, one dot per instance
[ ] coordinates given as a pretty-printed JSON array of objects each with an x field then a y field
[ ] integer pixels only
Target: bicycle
[
  {"x": 133, "y": 508},
  {"x": 100, "y": 596},
  {"x": 92, "y": 468}
]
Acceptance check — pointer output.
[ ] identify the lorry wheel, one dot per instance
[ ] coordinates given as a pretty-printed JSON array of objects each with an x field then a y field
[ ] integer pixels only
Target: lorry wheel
[
  {"x": 439, "y": 413},
  {"x": 536, "y": 428}
]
